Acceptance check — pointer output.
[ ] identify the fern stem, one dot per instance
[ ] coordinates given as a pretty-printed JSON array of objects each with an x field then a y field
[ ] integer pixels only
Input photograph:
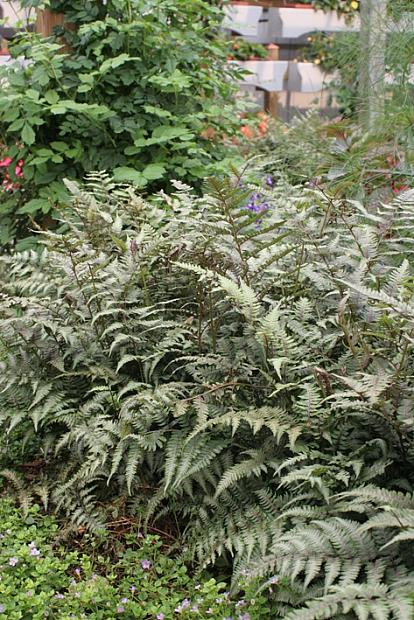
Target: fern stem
[{"x": 215, "y": 388}]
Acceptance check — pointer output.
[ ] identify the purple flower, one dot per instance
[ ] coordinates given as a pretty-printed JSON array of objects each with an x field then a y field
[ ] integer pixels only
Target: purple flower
[
  {"x": 59, "y": 595},
  {"x": 194, "y": 608},
  {"x": 146, "y": 564},
  {"x": 125, "y": 600},
  {"x": 29, "y": 593},
  {"x": 185, "y": 604},
  {"x": 2, "y": 609},
  {"x": 209, "y": 611},
  {"x": 94, "y": 576},
  {"x": 78, "y": 571},
  {"x": 241, "y": 603},
  {"x": 13, "y": 561},
  {"x": 35, "y": 552},
  {"x": 133, "y": 589},
  {"x": 244, "y": 617},
  {"x": 120, "y": 609},
  {"x": 256, "y": 203},
  {"x": 269, "y": 180},
  {"x": 160, "y": 616}
]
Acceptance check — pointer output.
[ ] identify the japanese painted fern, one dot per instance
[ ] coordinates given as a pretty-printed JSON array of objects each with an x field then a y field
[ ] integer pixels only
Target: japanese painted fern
[{"x": 252, "y": 371}]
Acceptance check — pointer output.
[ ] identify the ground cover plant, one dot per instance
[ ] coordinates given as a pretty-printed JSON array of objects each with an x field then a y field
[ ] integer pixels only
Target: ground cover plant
[
  {"x": 144, "y": 92},
  {"x": 139, "y": 578},
  {"x": 246, "y": 370}
]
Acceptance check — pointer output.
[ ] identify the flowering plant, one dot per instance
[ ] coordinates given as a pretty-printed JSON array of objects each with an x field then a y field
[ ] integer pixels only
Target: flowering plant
[
  {"x": 142, "y": 582},
  {"x": 67, "y": 114},
  {"x": 7, "y": 183}
]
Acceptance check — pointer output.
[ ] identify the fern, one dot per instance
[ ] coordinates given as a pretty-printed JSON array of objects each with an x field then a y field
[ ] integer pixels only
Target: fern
[{"x": 255, "y": 378}]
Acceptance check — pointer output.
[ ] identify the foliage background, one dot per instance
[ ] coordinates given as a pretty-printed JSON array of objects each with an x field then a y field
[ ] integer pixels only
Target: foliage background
[{"x": 144, "y": 92}]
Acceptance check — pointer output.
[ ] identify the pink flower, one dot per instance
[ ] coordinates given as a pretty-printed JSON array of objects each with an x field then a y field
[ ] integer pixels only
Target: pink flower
[
  {"x": 146, "y": 564},
  {"x": 18, "y": 171},
  {"x": 399, "y": 188},
  {"x": 5, "y": 163}
]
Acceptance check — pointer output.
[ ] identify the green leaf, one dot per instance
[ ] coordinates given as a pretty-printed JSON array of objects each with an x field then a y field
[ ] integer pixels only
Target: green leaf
[
  {"x": 113, "y": 63},
  {"x": 131, "y": 150},
  {"x": 32, "y": 94},
  {"x": 168, "y": 133},
  {"x": 17, "y": 125},
  {"x": 33, "y": 206},
  {"x": 123, "y": 173},
  {"x": 154, "y": 171},
  {"x": 84, "y": 88},
  {"x": 59, "y": 146},
  {"x": 51, "y": 97},
  {"x": 28, "y": 135},
  {"x": 58, "y": 109},
  {"x": 150, "y": 109},
  {"x": 11, "y": 114},
  {"x": 28, "y": 243}
]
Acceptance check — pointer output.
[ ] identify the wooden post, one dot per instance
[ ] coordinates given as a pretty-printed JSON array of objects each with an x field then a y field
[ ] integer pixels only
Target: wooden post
[
  {"x": 4, "y": 46},
  {"x": 271, "y": 99},
  {"x": 46, "y": 22}
]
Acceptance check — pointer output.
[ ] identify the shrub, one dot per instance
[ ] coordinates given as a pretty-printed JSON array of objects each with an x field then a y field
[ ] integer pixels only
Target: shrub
[
  {"x": 338, "y": 54},
  {"x": 138, "y": 93},
  {"x": 41, "y": 579},
  {"x": 341, "y": 6},
  {"x": 340, "y": 157},
  {"x": 250, "y": 371}
]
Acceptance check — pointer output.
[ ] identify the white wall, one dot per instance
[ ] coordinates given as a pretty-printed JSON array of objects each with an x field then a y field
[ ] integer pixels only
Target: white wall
[{"x": 12, "y": 12}]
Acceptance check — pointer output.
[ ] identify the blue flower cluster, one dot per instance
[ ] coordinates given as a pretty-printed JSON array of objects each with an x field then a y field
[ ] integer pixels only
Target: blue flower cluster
[{"x": 257, "y": 202}]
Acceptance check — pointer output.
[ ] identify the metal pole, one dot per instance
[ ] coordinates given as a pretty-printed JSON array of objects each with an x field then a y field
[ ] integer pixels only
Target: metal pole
[{"x": 372, "y": 61}]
